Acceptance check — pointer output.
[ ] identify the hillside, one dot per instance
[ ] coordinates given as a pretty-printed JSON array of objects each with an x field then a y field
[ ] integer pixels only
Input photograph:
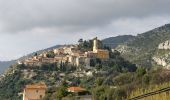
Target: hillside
[
  {"x": 113, "y": 42},
  {"x": 59, "y": 73},
  {"x": 141, "y": 49},
  {"x": 112, "y": 78}
]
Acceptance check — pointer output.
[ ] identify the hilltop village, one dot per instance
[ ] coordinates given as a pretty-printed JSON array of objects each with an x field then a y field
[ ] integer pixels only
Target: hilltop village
[
  {"x": 69, "y": 54},
  {"x": 71, "y": 71}
]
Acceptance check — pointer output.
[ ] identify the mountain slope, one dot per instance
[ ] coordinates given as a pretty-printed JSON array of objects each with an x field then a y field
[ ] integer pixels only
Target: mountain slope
[
  {"x": 115, "y": 41},
  {"x": 142, "y": 48}
]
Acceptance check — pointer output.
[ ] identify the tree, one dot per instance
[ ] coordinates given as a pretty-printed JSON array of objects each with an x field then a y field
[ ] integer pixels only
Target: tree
[
  {"x": 61, "y": 93},
  {"x": 99, "y": 81},
  {"x": 50, "y": 54},
  {"x": 141, "y": 71},
  {"x": 146, "y": 79},
  {"x": 120, "y": 94},
  {"x": 99, "y": 93},
  {"x": 92, "y": 62},
  {"x": 80, "y": 41},
  {"x": 36, "y": 54}
]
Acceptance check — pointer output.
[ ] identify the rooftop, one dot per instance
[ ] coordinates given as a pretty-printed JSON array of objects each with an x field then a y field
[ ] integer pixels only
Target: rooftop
[
  {"x": 36, "y": 86},
  {"x": 75, "y": 89}
]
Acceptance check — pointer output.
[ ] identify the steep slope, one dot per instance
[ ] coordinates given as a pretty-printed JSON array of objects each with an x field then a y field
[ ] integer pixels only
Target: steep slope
[
  {"x": 142, "y": 48},
  {"x": 115, "y": 41}
]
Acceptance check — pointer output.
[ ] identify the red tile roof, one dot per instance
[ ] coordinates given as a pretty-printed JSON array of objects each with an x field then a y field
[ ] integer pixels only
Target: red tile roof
[{"x": 75, "y": 89}]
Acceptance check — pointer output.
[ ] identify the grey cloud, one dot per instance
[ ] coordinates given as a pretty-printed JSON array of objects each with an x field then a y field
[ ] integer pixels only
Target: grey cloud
[
  {"x": 44, "y": 23},
  {"x": 74, "y": 15}
]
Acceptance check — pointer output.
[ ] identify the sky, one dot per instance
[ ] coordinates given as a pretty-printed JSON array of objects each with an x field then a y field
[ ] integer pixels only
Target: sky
[{"x": 31, "y": 25}]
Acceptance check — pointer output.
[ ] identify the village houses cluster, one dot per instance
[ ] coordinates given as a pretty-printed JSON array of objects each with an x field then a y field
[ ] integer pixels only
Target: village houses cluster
[{"x": 70, "y": 54}]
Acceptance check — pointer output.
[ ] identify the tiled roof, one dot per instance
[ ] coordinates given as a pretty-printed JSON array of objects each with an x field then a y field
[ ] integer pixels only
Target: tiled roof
[
  {"x": 36, "y": 86},
  {"x": 75, "y": 89}
]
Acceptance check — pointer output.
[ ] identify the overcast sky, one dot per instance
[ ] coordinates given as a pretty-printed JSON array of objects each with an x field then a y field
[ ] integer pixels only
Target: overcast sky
[{"x": 31, "y": 25}]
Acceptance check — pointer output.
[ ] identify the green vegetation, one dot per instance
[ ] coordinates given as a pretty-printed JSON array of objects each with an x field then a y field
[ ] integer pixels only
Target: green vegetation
[
  {"x": 87, "y": 45},
  {"x": 110, "y": 85},
  {"x": 50, "y": 54},
  {"x": 152, "y": 88},
  {"x": 113, "y": 42},
  {"x": 143, "y": 47},
  {"x": 12, "y": 85}
]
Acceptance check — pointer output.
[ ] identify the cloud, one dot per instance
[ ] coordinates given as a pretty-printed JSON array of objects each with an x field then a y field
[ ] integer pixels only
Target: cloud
[
  {"x": 31, "y": 25},
  {"x": 73, "y": 15}
]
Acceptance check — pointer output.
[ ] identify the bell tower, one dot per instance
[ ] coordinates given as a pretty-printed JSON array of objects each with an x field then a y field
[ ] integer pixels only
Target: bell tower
[{"x": 95, "y": 45}]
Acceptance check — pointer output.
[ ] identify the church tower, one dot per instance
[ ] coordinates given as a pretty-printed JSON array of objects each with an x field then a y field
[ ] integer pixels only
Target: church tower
[{"x": 95, "y": 45}]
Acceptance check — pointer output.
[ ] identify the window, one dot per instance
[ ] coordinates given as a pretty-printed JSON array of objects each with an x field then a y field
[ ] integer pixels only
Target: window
[
  {"x": 40, "y": 96},
  {"x": 37, "y": 91}
]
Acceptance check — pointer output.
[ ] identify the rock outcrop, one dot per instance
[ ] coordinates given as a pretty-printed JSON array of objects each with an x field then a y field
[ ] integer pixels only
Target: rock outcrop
[{"x": 165, "y": 45}]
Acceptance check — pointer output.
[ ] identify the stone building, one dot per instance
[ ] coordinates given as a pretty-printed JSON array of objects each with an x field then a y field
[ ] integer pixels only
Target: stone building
[
  {"x": 34, "y": 91},
  {"x": 100, "y": 53},
  {"x": 58, "y": 51}
]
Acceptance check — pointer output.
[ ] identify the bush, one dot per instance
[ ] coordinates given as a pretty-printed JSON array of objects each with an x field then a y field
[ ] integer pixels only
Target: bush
[
  {"x": 120, "y": 94},
  {"x": 141, "y": 71},
  {"x": 61, "y": 92},
  {"x": 99, "y": 81}
]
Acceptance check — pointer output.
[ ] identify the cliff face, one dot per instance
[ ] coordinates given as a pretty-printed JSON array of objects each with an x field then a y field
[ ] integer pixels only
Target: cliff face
[
  {"x": 162, "y": 62},
  {"x": 165, "y": 45},
  {"x": 162, "y": 55}
]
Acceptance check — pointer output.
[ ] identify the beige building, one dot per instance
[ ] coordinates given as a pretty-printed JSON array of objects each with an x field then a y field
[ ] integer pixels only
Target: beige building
[
  {"x": 31, "y": 61},
  {"x": 61, "y": 58},
  {"x": 69, "y": 50},
  {"x": 72, "y": 59},
  {"x": 34, "y": 91},
  {"x": 80, "y": 60},
  {"x": 58, "y": 51},
  {"x": 76, "y": 58},
  {"x": 47, "y": 60},
  {"x": 100, "y": 53}
]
